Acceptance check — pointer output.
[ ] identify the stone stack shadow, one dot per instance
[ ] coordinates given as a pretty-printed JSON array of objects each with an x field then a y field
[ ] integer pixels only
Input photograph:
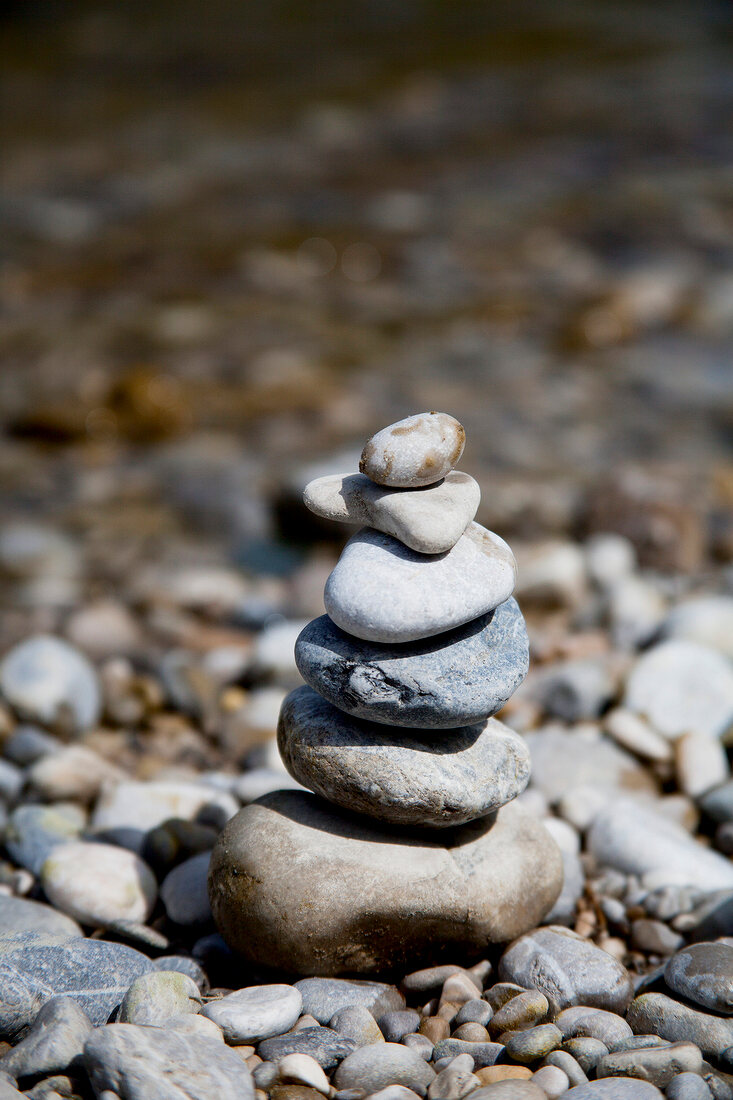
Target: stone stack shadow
[{"x": 408, "y": 845}]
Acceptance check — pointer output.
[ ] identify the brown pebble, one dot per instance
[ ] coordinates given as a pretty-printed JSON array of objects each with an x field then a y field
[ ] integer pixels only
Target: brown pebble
[
  {"x": 253, "y": 1061},
  {"x": 294, "y": 1092},
  {"x": 471, "y": 1033},
  {"x": 522, "y": 1011},
  {"x": 448, "y": 1011},
  {"x": 501, "y": 993},
  {"x": 491, "y": 1074},
  {"x": 459, "y": 988},
  {"x": 435, "y": 1028}
]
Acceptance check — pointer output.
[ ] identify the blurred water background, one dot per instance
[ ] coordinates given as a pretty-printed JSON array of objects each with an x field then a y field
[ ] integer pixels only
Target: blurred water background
[{"x": 239, "y": 238}]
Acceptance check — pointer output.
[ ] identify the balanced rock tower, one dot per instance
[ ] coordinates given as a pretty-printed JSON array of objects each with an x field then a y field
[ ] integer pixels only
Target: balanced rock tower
[{"x": 408, "y": 850}]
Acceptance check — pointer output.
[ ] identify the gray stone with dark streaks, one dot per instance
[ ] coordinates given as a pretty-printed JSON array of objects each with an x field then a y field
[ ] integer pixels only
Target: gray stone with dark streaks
[
  {"x": 460, "y": 678},
  {"x": 404, "y": 777},
  {"x": 324, "y": 1044},
  {"x": 34, "y": 967}
]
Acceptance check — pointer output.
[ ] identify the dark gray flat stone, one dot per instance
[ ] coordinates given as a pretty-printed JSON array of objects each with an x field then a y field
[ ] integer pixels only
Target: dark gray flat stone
[
  {"x": 34, "y": 967},
  {"x": 405, "y": 777},
  {"x": 703, "y": 973},
  {"x": 457, "y": 679},
  {"x": 322, "y": 1043}
]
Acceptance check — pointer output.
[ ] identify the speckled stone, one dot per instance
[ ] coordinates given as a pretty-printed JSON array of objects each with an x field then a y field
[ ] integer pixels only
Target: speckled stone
[
  {"x": 703, "y": 973},
  {"x": 429, "y": 520},
  {"x": 384, "y": 592},
  {"x": 404, "y": 777},
  {"x": 418, "y": 450},
  {"x": 321, "y": 891},
  {"x": 35, "y": 967},
  {"x": 139, "y": 1063},
  {"x": 567, "y": 969},
  {"x": 459, "y": 678}
]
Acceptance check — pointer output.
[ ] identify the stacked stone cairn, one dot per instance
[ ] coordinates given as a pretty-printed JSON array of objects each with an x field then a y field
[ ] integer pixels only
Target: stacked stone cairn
[{"x": 409, "y": 847}]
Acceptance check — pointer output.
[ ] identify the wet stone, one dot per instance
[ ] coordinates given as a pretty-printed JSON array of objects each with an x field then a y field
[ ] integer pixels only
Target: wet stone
[
  {"x": 460, "y": 678},
  {"x": 414, "y": 777}
]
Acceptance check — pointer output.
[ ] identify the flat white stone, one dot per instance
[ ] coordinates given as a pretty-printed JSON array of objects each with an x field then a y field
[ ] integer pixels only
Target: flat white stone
[
  {"x": 429, "y": 520},
  {"x": 98, "y": 884},
  {"x": 419, "y": 450},
  {"x": 255, "y": 1013},
  {"x": 382, "y": 591}
]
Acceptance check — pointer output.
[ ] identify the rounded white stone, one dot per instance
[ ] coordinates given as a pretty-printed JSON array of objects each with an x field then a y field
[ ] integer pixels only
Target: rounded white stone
[
  {"x": 682, "y": 686},
  {"x": 418, "y": 450},
  {"x": 98, "y": 884},
  {"x": 383, "y": 592},
  {"x": 255, "y": 1013},
  {"x": 47, "y": 680}
]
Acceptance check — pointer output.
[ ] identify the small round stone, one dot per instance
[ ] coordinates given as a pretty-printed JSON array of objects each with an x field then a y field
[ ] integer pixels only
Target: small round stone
[
  {"x": 459, "y": 678},
  {"x": 184, "y": 891},
  {"x": 395, "y": 1025},
  {"x": 382, "y": 591},
  {"x": 153, "y": 999},
  {"x": 400, "y": 776},
  {"x": 520, "y": 1012},
  {"x": 99, "y": 884},
  {"x": 418, "y": 450},
  {"x": 703, "y": 973},
  {"x": 255, "y": 1013},
  {"x": 533, "y": 1044}
]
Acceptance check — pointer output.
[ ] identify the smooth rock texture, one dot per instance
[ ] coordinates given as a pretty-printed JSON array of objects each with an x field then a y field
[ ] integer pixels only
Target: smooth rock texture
[
  {"x": 668, "y": 850},
  {"x": 429, "y": 520},
  {"x": 154, "y": 999},
  {"x": 321, "y": 892},
  {"x": 615, "y": 1088},
  {"x": 258, "y": 1012},
  {"x": 655, "y": 1064},
  {"x": 138, "y": 1063},
  {"x": 374, "y": 1067},
  {"x": 658, "y": 1014},
  {"x": 48, "y": 681},
  {"x": 99, "y": 884},
  {"x": 682, "y": 686},
  {"x": 382, "y": 591},
  {"x": 418, "y": 450},
  {"x": 35, "y": 967},
  {"x": 184, "y": 891},
  {"x": 459, "y": 678},
  {"x": 324, "y": 997},
  {"x": 54, "y": 1041},
  {"x": 703, "y": 973},
  {"x": 404, "y": 777},
  {"x": 33, "y": 916},
  {"x": 567, "y": 969}
]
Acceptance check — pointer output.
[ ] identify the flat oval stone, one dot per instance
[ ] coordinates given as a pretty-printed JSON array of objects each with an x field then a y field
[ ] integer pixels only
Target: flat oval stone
[
  {"x": 382, "y": 591},
  {"x": 418, "y": 450},
  {"x": 703, "y": 973},
  {"x": 320, "y": 891},
  {"x": 99, "y": 884},
  {"x": 429, "y": 520},
  {"x": 406, "y": 777},
  {"x": 255, "y": 1013},
  {"x": 461, "y": 678}
]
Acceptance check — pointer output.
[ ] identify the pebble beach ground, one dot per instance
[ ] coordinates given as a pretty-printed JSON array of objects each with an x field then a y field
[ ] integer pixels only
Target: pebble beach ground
[{"x": 213, "y": 290}]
